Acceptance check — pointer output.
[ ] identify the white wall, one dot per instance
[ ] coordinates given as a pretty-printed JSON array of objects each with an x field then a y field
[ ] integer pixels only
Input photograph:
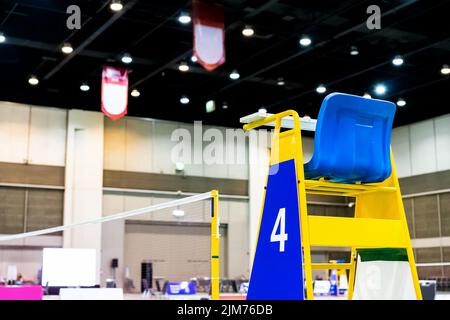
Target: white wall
[
  {"x": 145, "y": 145},
  {"x": 84, "y": 180},
  {"x": 422, "y": 147},
  {"x": 38, "y": 135},
  {"x": 34, "y": 135}
]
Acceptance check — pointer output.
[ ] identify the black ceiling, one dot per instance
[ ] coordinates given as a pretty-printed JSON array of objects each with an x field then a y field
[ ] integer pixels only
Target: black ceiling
[{"x": 150, "y": 32}]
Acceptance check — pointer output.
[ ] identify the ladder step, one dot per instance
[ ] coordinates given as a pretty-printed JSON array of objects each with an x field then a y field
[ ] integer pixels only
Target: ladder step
[{"x": 357, "y": 232}]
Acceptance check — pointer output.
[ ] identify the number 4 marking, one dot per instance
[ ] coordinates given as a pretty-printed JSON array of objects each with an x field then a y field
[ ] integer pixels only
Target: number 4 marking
[{"x": 282, "y": 236}]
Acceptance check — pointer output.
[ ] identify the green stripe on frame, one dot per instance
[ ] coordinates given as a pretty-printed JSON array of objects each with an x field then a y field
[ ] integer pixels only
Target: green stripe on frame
[
  {"x": 385, "y": 254},
  {"x": 215, "y": 257}
]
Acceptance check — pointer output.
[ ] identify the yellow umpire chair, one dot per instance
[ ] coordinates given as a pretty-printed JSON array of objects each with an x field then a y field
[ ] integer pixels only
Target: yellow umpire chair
[{"x": 352, "y": 158}]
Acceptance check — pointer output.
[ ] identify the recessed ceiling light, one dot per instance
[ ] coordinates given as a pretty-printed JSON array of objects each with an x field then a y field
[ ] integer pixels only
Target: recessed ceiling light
[
  {"x": 234, "y": 75},
  {"x": 398, "y": 61},
  {"x": 116, "y": 5},
  {"x": 380, "y": 89},
  {"x": 84, "y": 87},
  {"x": 184, "y": 100},
  {"x": 367, "y": 96},
  {"x": 183, "y": 67},
  {"x": 354, "y": 51},
  {"x": 321, "y": 89},
  {"x": 184, "y": 18},
  {"x": 194, "y": 58},
  {"x": 445, "y": 69},
  {"x": 2, "y": 37},
  {"x": 305, "y": 41},
  {"x": 178, "y": 213},
  {"x": 126, "y": 58},
  {"x": 33, "y": 80},
  {"x": 135, "y": 93},
  {"x": 248, "y": 31},
  {"x": 281, "y": 82},
  {"x": 401, "y": 102},
  {"x": 210, "y": 106},
  {"x": 67, "y": 48}
]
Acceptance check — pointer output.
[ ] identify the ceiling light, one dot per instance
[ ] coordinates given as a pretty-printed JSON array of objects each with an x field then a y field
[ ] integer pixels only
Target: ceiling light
[
  {"x": 225, "y": 105},
  {"x": 367, "y": 96},
  {"x": 401, "y": 102},
  {"x": 126, "y": 58},
  {"x": 354, "y": 51},
  {"x": 305, "y": 41},
  {"x": 321, "y": 89},
  {"x": 380, "y": 89},
  {"x": 33, "y": 80},
  {"x": 445, "y": 69},
  {"x": 84, "y": 87},
  {"x": 248, "y": 31},
  {"x": 184, "y": 100},
  {"x": 2, "y": 37},
  {"x": 234, "y": 75},
  {"x": 281, "y": 82},
  {"x": 183, "y": 67},
  {"x": 178, "y": 213},
  {"x": 116, "y": 5},
  {"x": 135, "y": 93},
  {"x": 194, "y": 58},
  {"x": 210, "y": 106},
  {"x": 184, "y": 18},
  {"x": 67, "y": 48},
  {"x": 262, "y": 110},
  {"x": 398, "y": 61}
]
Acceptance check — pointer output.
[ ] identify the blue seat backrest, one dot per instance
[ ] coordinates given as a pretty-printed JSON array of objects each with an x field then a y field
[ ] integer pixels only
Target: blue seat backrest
[{"x": 352, "y": 140}]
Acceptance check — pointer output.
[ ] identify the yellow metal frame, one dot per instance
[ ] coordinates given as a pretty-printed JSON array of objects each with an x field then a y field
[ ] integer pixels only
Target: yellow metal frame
[
  {"x": 379, "y": 222},
  {"x": 215, "y": 248}
]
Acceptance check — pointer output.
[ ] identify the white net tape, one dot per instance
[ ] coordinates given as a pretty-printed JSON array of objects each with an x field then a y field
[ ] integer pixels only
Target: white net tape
[{"x": 117, "y": 216}]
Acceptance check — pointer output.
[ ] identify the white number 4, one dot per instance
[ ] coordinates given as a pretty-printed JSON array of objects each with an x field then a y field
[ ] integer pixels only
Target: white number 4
[{"x": 282, "y": 236}]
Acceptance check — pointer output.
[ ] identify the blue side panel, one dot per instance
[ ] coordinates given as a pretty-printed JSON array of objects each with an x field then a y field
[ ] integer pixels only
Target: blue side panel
[{"x": 277, "y": 273}]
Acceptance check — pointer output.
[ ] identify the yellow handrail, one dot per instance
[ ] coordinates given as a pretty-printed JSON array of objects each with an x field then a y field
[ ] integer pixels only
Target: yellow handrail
[{"x": 274, "y": 118}]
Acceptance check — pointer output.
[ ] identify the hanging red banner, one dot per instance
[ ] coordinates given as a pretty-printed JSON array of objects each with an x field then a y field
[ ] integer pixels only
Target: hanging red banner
[
  {"x": 209, "y": 34},
  {"x": 114, "y": 92}
]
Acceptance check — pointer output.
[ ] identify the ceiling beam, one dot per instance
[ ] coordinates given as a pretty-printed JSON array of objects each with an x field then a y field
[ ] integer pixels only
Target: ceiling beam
[{"x": 261, "y": 8}]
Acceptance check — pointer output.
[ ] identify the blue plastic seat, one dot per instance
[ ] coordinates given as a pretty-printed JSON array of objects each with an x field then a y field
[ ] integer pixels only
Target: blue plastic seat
[{"x": 352, "y": 140}]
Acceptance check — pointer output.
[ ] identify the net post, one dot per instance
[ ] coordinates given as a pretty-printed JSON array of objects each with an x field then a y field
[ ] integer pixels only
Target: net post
[{"x": 215, "y": 249}]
